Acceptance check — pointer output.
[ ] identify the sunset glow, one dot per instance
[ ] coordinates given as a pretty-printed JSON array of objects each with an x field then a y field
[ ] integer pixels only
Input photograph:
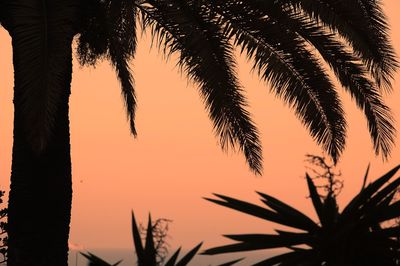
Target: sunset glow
[{"x": 176, "y": 160}]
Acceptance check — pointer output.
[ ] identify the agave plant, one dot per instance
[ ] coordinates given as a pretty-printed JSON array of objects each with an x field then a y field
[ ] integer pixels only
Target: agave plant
[
  {"x": 96, "y": 261},
  {"x": 354, "y": 236},
  {"x": 147, "y": 253}
]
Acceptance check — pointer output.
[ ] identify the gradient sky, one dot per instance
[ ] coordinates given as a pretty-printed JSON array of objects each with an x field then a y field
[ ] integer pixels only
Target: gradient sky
[{"x": 176, "y": 160}]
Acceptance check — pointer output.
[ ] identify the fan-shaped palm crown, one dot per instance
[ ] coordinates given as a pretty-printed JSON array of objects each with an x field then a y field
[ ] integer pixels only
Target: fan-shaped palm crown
[{"x": 291, "y": 44}]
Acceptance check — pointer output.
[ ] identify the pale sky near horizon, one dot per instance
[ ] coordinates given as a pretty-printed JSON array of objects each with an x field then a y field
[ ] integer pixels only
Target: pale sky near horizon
[{"x": 176, "y": 159}]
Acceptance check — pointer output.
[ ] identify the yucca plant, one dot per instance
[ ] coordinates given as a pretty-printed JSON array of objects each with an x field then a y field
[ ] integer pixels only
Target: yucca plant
[
  {"x": 354, "y": 236},
  {"x": 147, "y": 253}
]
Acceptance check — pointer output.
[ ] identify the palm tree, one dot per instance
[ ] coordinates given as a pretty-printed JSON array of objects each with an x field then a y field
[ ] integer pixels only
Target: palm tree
[{"x": 284, "y": 39}]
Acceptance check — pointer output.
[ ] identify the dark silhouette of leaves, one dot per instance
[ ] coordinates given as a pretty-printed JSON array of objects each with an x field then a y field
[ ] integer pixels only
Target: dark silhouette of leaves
[{"x": 354, "y": 236}]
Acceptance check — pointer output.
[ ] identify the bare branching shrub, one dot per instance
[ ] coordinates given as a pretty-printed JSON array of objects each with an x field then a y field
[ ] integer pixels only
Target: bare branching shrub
[{"x": 325, "y": 175}]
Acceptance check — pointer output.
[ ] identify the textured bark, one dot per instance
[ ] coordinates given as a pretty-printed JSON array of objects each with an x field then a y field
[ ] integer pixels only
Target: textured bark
[
  {"x": 41, "y": 187},
  {"x": 40, "y": 197}
]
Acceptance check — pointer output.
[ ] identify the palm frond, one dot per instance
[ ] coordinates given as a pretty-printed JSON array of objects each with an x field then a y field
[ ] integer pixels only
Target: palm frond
[
  {"x": 93, "y": 36},
  {"x": 363, "y": 24},
  {"x": 295, "y": 74},
  {"x": 122, "y": 48},
  {"x": 109, "y": 32},
  {"x": 346, "y": 66},
  {"x": 284, "y": 39},
  {"x": 206, "y": 57}
]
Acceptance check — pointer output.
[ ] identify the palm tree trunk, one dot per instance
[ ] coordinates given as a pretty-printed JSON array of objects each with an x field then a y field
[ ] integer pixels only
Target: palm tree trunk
[
  {"x": 41, "y": 186},
  {"x": 40, "y": 197}
]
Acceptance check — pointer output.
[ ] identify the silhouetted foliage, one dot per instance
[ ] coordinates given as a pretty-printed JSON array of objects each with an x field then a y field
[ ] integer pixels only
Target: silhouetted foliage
[
  {"x": 3, "y": 230},
  {"x": 325, "y": 177},
  {"x": 396, "y": 222},
  {"x": 160, "y": 232},
  {"x": 96, "y": 261},
  {"x": 283, "y": 39},
  {"x": 153, "y": 251},
  {"x": 354, "y": 236},
  {"x": 147, "y": 254}
]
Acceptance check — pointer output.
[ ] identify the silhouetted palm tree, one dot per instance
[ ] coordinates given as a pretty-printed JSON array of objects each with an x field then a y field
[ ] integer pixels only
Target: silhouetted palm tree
[{"x": 285, "y": 39}]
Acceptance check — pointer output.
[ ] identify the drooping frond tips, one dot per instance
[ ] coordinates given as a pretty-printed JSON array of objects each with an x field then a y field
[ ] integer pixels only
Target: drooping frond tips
[
  {"x": 206, "y": 56},
  {"x": 383, "y": 132},
  {"x": 132, "y": 125},
  {"x": 282, "y": 59},
  {"x": 279, "y": 37},
  {"x": 250, "y": 145},
  {"x": 127, "y": 88},
  {"x": 385, "y": 62},
  {"x": 109, "y": 31},
  {"x": 122, "y": 48},
  {"x": 364, "y": 26},
  {"x": 93, "y": 34}
]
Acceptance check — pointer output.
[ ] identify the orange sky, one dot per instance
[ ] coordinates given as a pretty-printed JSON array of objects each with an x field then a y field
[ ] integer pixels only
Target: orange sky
[{"x": 176, "y": 160}]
